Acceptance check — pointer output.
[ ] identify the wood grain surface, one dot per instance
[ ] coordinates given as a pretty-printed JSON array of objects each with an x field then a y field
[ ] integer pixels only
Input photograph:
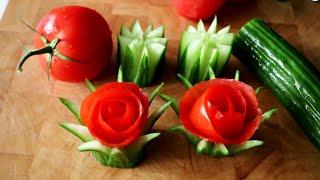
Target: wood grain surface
[{"x": 33, "y": 146}]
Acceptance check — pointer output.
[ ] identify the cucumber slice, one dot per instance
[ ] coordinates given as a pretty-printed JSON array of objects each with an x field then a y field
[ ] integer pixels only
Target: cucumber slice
[
  {"x": 162, "y": 41},
  {"x": 213, "y": 26},
  {"x": 135, "y": 149},
  {"x": 224, "y": 30},
  {"x": 141, "y": 78},
  {"x": 73, "y": 108},
  {"x": 94, "y": 146},
  {"x": 192, "y": 56},
  {"x": 133, "y": 59},
  {"x": 237, "y": 148},
  {"x": 156, "y": 33},
  {"x": 191, "y": 29},
  {"x": 156, "y": 54},
  {"x": 125, "y": 32},
  {"x": 136, "y": 28},
  {"x": 141, "y": 54},
  {"x": 224, "y": 54},
  {"x": 149, "y": 29},
  {"x": 200, "y": 26},
  {"x": 123, "y": 44},
  {"x": 193, "y": 63},
  {"x": 224, "y": 39},
  {"x": 186, "y": 38},
  {"x": 80, "y": 131},
  {"x": 204, "y": 61}
]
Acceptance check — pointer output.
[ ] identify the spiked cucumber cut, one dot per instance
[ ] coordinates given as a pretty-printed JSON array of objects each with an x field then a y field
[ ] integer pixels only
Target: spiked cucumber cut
[
  {"x": 203, "y": 51},
  {"x": 140, "y": 54}
]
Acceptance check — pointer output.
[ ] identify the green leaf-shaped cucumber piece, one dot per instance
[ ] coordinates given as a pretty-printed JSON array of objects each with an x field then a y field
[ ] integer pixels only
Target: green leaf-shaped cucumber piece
[
  {"x": 192, "y": 59},
  {"x": 237, "y": 75},
  {"x": 79, "y": 131},
  {"x": 213, "y": 58},
  {"x": 162, "y": 41},
  {"x": 235, "y": 149},
  {"x": 211, "y": 73},
  {"x": 118, "y": 158},
  {"x": 90, "y": 85},
  {"x": 224, "y": 39},
  {"x": 213, "y": 26},
  {"x": 200, "y": 26},
  {"x": 205, "y": 55},
  {"x": 120, "y": 74},
  {"x": 149, "y": 29},
  {"x": 194, "y": 140},
  {"x": 141, "y": 77},
  {"x": 174, "y": 103},
  {"x": 135, "y": 149},
  {"x": 224, "y": 54},
  {"x": 152, "y": 119},
  {"x": 219, "y": 150},
  {"x": 107, "y": 156},
  {"x": 155, "y": 92},
  {"x": 156, "y": 53},
  {"x": 186, "y": 38},
  {"x": 212, "y": 149},
  {"x": 74, "y": 109},
  {"x": 133, "y": 59},
  {"x": 96, "y": 146},
  {"x": 156, "y": 33},
  {"x": 204, "y": 147},
  {"x": 123, "y": 45},
  {"x": 267, "y": 115},
  {"x": 224, "y": 30},
  {"x": 186, "y": 83},
  {"x": 136, "y": 28},
  {"x": 124, "y": 31},
  {"x": 191, "y": 29},
  {"x": 258, "y": 90}
]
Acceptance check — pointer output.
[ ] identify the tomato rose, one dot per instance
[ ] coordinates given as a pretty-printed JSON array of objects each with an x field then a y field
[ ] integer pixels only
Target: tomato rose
[
  {"x": 221, "y": 111},
  {"x": 116, "y": 113},
  {"x": 198, "y": 9}
]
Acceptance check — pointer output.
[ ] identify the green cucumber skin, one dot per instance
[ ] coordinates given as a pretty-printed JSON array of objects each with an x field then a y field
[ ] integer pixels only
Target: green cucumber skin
[{"x": 291, "y": 77}]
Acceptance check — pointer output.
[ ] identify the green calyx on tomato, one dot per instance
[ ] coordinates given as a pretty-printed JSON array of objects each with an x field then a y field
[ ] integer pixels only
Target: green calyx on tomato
[
  {"x": 203, "y": 53},
  {"x": 114, "y": 125},
  {"x": 49, "y": 48},
  {"x": 219, "y": 116},
  {"x": 141, "y": 53}
]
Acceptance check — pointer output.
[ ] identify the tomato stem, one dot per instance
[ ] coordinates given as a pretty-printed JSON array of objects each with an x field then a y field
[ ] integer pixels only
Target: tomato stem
[{"x": 44, "y": 50}]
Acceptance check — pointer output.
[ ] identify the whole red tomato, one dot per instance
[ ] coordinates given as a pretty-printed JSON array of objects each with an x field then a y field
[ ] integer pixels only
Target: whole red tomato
[
  {"x": 116, "y": 113},
  {"x": 221, "y": 111},
  {"x": 84, "y": 38},
  {"x": 198, "y": 9}
]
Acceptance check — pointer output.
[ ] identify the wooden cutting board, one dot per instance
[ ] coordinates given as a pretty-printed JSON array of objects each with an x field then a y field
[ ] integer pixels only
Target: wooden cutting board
[{"x": 33, "y": 146}]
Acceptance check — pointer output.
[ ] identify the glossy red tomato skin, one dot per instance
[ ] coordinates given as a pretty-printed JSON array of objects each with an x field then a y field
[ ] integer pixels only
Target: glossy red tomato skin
[
  {"x": 113, "y": 135},
  {"x": 84, "y": 36},
  {"x": 198, "y": 9},
  {"x": 206, "y": 130}
]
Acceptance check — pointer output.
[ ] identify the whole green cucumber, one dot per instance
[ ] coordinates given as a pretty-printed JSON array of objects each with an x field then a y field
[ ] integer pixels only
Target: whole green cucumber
[{"x": 291, "y": 77}]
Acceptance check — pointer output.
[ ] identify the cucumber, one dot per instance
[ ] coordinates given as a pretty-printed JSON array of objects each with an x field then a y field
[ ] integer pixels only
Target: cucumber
[
  {"x": 141, "y": 54},
  {"x": 291, "y": 77},
  {"x": 196, "y": 51}
]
